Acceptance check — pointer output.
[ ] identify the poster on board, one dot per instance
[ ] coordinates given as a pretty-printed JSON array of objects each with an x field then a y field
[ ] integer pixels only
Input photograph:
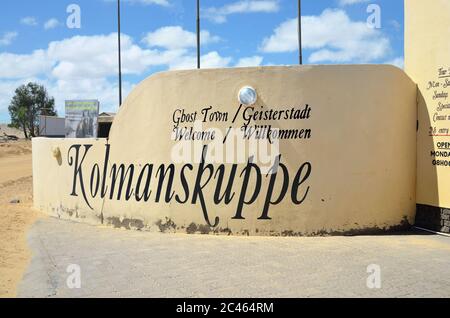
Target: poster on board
[{"x": 82, "y": 118}]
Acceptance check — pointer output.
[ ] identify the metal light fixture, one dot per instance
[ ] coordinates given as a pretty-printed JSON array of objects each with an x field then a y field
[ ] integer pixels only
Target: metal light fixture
[{"x": 247, "y": 96}]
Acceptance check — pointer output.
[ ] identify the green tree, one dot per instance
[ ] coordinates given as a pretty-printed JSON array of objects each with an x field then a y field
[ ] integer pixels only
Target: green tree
[{"x": 28, "y": 103}]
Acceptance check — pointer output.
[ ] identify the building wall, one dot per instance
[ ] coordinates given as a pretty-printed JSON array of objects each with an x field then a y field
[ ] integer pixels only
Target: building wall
[
  {"x": 51, "y": 126},
  {"x": 427, "y": 62},
  {"x": 355, "y": 172},
  {"x": 53, "y": 179}
]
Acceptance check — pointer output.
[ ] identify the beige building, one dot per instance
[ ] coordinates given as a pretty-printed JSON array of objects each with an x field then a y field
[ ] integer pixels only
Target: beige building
[
  {"x": 427, "y": 62},
  {"x": 105, "y": 121}
]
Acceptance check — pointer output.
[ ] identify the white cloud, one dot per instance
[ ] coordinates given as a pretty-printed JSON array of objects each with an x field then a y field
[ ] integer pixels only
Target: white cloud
[
  {"x": 175, "y": 37},
  {"x": 30, "y": 21},
  {"x": 96, "y": 57},
  {"x": 333, "y": 36},
  {"x": 7, "y": 38},
  {"x": 86, "y": 67},
  {"x": 209, "y": 60},
  {"x": 106, "y": 91},
  {"x": 250, "y": 61},
  {"x": 7, "y": 89},
  {"x": 219, "y": 15},
  {"x": 164, "y": 3},
  {"x": 51, "y": 24},
  {"x": 16, "y": 66},
  {"x": 399, "y": 62},
  {"x": 214, "y": 60},
  {"x": 396, "y": 25},
  {"x": 351, "y": 2},
  {"x": 89, "y": 88}
]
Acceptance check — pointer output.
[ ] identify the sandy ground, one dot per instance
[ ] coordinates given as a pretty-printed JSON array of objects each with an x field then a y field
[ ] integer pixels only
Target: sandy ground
[
  {"x": 16, "y": 215},
  {"x": 15, "y": 160}
]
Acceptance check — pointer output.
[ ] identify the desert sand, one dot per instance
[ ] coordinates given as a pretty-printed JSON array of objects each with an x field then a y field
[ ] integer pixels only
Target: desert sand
[{"x": 16, "y": 214}]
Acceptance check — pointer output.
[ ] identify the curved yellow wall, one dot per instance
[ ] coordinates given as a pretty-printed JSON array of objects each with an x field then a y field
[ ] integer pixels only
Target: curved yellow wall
[
  {"x": 352, "y": 166},
  {"x": 427, "y": 61}
]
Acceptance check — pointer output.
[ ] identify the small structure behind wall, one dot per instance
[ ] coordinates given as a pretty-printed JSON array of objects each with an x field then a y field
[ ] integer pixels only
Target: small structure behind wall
[
  {"x": 51, "y": 126},
  {"x": 105, "y": 121}
]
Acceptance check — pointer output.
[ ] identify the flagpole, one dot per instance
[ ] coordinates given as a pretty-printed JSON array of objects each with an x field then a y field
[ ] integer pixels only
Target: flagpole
[
  {"x": 198, "y": 34},
  {"x": 120, "y": 53},
  {"x": 300, "y": 54}
]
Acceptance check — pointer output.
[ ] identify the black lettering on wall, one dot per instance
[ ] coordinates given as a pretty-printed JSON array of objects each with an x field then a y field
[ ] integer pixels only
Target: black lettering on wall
[
  {"x": 123, "y": 176},
  {"x": 184, "y": 184},
  {"x": 95, "y": 175},
  {"x": 247, "y": 172},
  {"x": 120, "y": 179},
  {"x": 147, "y": 172},
  {"x": 227, "y": 196},
  {"x": 105, "y": 171},
  {"x": 273, "y": 177},
  {"x": 198, "y": 188},
  {"x": 162, "y": 172},
  {"x": 298, "y": 181},
  {"x": 78, "y": 170}
]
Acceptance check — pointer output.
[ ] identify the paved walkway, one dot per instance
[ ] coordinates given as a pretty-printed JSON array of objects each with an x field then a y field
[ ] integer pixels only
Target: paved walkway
[{"x": 119, "y": 263}]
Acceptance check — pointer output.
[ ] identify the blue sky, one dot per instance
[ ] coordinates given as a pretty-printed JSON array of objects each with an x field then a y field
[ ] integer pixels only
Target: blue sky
[{"x": 37, "y": 45}]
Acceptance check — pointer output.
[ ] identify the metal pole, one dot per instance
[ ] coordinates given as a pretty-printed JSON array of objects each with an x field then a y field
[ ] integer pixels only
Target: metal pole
[
  {"x": 198, "y": 34},
  {"x": 300, "y": 54},
  {"x": 120, "y": 52}
]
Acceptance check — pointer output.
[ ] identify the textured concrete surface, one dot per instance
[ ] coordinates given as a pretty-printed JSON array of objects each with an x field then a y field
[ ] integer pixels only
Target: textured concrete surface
[{"x": 119, "y": 263}]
